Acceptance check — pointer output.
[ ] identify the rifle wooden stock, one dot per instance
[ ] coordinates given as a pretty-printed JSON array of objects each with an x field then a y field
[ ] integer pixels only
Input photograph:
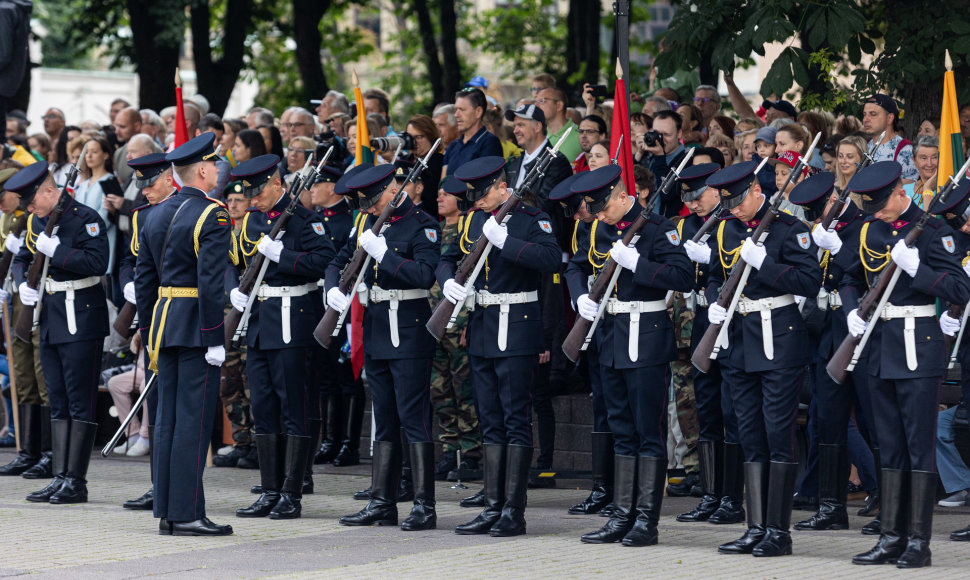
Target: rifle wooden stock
[
  {"x": 25, "y": 322},
  {"x": 125, "y": 320}
]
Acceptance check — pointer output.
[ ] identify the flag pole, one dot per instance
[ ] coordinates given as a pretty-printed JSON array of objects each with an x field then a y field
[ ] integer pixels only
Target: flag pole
[{"x": 621, "y": 12}]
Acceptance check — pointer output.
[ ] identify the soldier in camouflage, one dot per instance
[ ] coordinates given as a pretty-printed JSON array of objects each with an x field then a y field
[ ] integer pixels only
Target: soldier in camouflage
[{"x": 682, "y": 387}]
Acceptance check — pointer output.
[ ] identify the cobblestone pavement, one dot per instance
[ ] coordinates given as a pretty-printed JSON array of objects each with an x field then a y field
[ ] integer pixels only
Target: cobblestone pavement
[{"x": 101, "y": 540}]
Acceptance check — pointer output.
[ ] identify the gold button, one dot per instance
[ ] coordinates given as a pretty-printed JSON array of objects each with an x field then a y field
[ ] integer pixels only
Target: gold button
[
  {"x": 619, "y": 232},
  {"x": 830, "y": 276},
  {"x": 269, "y": 221},
  {"x": 790, "y": 328},
  {"x": 749, "y": 229},
  {"x": 326, "y": 219},
  {"x": 927, "y": 338},
  {"x": 526, "y": 316},
  {"x": 895, "y": 232}
]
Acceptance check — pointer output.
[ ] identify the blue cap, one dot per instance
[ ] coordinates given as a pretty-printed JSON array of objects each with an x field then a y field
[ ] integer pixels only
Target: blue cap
[
  {"x": 370, "y": 183},
  {"x": 956, "y": 209},
  {"x": 147, "y": 168},
  {"x": 693, "y": 180},
  {"x": 766, "y": 134},
  {"x": 26, "y": 182},
  {"x": 781, "y": 105},
  {"x": 596, "y": 186},
  {"x": 255, "y": 173},
  {"x": 328, "y": 174},
  {"x": 478, "y": 81},
  {"x": 875, "y": 183},
  {"x": 734, "y": 181},
  {"x": 194, "y": 150},
  {"x": 479, "y": 175},
  {"x": 341, "y": 187},
  {"x": 813, "y": 193},
  {"x": 567, "y": 198},
  {"x": 453, "y": 186}
]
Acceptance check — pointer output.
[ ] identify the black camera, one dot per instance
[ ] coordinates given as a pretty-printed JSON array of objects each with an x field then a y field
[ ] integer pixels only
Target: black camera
[
  {"x": 324, "y": 141},
  {"x": 391, "y": 143},
  {"x": 653, "y": 138}
]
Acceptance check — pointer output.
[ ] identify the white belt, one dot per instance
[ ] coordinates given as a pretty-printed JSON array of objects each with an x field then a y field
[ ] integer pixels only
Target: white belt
[
  {"x": 285, "y": 292},
  {"x": 765, "y": 306},
  {"x": 695, "y": 300},
  {"x": 614, "y": 306},
  {"x": 910, "y": 314},
  {"x": 504, "y": 300},
  {"x": 828, "y": 299},
  {"x": 68, "y": 287},
  {"x": 394, "y": 297}
]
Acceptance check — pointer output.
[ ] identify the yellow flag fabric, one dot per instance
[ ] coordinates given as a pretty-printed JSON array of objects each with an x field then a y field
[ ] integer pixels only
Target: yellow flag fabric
[
  {"x": 362, "y": 152},
  {"x": 951, "y": 143}
]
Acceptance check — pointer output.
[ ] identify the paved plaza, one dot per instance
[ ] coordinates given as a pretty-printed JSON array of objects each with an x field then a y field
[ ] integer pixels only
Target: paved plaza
[{"x": 103, "y": 541}]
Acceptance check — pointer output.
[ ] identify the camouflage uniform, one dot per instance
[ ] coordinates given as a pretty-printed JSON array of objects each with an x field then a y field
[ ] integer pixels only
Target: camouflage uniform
[
  {"x": 234, "y": 392},
  {"x": 451, "y": 389},
  {"x": 683, "y": 381}
]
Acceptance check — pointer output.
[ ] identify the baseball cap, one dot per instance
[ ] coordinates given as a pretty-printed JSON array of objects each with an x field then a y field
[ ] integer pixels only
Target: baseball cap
[
  {"x": 478, "y": 81},
  {"x": 781, "y": 105},
  {"x": 531, "y": 112},
  {"x": 766, "y": 134},
  {"x": 886, "y": 102}
]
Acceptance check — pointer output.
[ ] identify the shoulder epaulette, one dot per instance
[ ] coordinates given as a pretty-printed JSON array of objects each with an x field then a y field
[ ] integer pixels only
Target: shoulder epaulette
[
  {"x": 786, "y": 218},
  {"x": 528, "y": 209},
  {"x": 141, "y": 207}
]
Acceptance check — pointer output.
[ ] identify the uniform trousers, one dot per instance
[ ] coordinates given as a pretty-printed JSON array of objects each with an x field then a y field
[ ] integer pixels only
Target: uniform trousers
[
  {"x": 188, "y": 398},
  {"x": 72, "y": 372},
  {"x": 636, "y": 404},
  {"x": 277, "y": 389},
  {"x": 715, "y": 411},
  {"x": 601, "y": 423},
  {"x": 335, "y": 377},
  {"x": 27, "y": 367},
  {"x": 765, "y": 404},
  {"x": 400, "y": 393},
  {"x": 905, "y": 411},
  {"x": 503, "y": 398}
]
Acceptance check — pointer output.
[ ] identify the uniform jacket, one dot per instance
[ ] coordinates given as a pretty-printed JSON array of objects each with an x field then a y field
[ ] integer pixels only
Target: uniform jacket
[
  {"x": 126, "y": 269},
  {"x": 338, "y": 220},
  {"x": 834, "y": 326},
  {"x": 530, "y": 250},
  {"x": 413, "y": 251},
  {"x": 82, "y": 252}
]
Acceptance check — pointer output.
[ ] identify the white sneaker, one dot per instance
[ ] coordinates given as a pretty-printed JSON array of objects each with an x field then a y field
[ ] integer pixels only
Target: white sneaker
[
  {"x": 954, "y": 500},
  {"x": 139, "y": 448},
  {"x": 225, "y": 450},
  {"x": 124, "y": 447}
]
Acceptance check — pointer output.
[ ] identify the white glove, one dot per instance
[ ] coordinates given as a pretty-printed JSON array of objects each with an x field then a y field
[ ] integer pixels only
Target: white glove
[
  {"x": 625, "y": 256},
  {"x": 28, "y": 296},
  {"x": 453, "y": 291},
  {"x": 753, "y": 254},
  {"x": 587, "y": 308},
  {"x": 857, "y": 326},
  {"x": 215, "y": 355},
  {"x": 270, "y": 248},
  {"x": 906, "y": 258},
  {"x": 129, "y": 292},
  {"x": 47, "y": 245},
  {"x": 4, "y": 295},
  {"x": 827, "y": 240},
  {"x": 966, "y": 268},
  {"x": 376, "y": 246},
  {"x": 700, "y": 253},
  {"x": 13, "y": 243},
  {"x": 337, "y": 299},
  {"x": 950, "y": 326},
  {"x": 495, "y": 232},
  {"x": 238, "y": 299},
  {"x": 716, "y": 314}
]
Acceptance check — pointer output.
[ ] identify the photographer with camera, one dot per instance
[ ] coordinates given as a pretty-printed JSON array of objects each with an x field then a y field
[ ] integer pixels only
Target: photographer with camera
[
  {"x": 662, "y": 142},
  {"x": 411, "y": 145}
]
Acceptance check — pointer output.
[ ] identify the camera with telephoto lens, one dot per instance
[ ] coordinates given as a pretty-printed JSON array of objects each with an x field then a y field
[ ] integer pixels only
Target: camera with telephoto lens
[
  {"x": 653, "y": 138},
  {"x": 390, "y": 143},
  {"x": 327, "y": 139}
]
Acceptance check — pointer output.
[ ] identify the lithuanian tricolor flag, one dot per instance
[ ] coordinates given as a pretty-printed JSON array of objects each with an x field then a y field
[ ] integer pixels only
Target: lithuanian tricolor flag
[
  {"x": 363, "y": 153},
  {"x": 951, "y": 142}
]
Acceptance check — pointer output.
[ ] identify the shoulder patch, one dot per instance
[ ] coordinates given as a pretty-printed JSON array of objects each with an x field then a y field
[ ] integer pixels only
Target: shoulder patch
[
  {"x": 317, "y": 228},
  {"x": 222, "y": 218},
  {"x": 804, "y": 240},
  {"x": 93, "y": 229},
  {"x": 948, "y": 244},
  {"x": 431, "y": 234},
  {"x": 545, "y": 226},
  {"x": 673, "y": 237}
]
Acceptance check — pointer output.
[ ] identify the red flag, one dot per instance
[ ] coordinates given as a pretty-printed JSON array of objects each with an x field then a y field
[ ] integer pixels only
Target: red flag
[
  {"x": 621, "y": 128},
  {"x": 181, "y": 132},
  {"x": 356, "y": 335}
]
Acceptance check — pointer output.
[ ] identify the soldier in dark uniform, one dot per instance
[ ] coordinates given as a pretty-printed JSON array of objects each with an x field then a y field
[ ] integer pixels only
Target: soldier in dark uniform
[
  {"x": 73, "y": 323},
  {"x": 765, "y": 356},
  {"x": 833, "y": 402},
  {"x": 399, "y": 350},
  {"x": 279, "y": 332},
  {"x": 505, "y": 335},
  {"x": 905, "y": 369},
  {"x": 601, "y": 439},
  {"x": 635, "y": 343},
  {"x": 718, "y": 450},
  {"x": 153, "y": 177},
  {"x": 180, "y": 294}
]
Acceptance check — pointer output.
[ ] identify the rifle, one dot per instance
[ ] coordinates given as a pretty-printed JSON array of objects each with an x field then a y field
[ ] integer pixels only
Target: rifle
[
  {"x": 145, "y": 391},
  {"x": 353, "y": 273},
  {"x": 37, "y": 271},
  {"x": 236, "y": 321},
  {"x": 715, "y": 337},
  {"x": 471, "y": 265},
  {"x": 581, "y": 334},
  {"x": 874, "y": 301}
]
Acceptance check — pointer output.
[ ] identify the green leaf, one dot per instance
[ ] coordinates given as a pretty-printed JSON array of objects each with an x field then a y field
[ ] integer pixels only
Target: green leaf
[
  {"x": 800, "y": 70},
  {"x": 816, "y": 26},
  {"x": 853, "y": 48},
  {"x": 779, "y": 78},
  {"x": 960, "y": 27}
]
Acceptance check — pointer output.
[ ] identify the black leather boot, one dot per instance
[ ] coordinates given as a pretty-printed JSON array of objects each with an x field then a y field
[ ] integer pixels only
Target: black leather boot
[
  {"x": 833, "y": 466},
  {"x": 332, "y": 431},
  {"x": 624, "y": 501},
  {"x": 651, "y": 475},
  {"x": 731, "y": 510},
  {"x": 270, "y": 449},
  {"x": 872, "y": 500},
  {"x": 75, "y": 489},
  {"x": 922, "y": 486},
  {"x": 602, "y": 493},
  {"x": 755, "y": 498},
  {"x": 493, "y": 492},
  {"x": 349, "y": 452},
  {"x": 892, "y": 540},
  {"x": 315, "y": 427},
  {"x": 147, "y": 499},
  {"x": 29, "y": 453},
  {"x": 477, "y": 500},
  {"x": 406, "y": 491},
  {"x": 385, "y": 481},
  {"x": 42, "y": 469},
  {"x": 290, "y": 505},
  {"x": 60, "y": 436},
  {"x": 781, "y": 489},
  {"x": 423, "y": 516},
  {"x": 708, "y": 453},
  {"x": 512, "y": 520}
]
